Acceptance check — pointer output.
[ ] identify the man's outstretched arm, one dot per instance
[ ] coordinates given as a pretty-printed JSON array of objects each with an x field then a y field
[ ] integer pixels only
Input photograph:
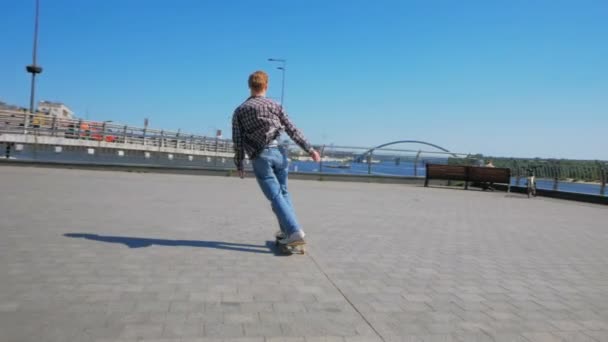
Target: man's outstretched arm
[{"x": 297, "y": 136}]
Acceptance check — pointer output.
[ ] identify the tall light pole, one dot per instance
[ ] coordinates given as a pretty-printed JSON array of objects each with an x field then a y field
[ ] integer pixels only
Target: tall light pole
[
  {"x": 283, "y": 67},
  {"x": 34, "y": 69}
]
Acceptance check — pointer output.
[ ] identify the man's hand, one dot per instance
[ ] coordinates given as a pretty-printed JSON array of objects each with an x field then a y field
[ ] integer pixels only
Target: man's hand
[
  {"x": 241, "y": 173},
  {"x": 315, "y": 156}
]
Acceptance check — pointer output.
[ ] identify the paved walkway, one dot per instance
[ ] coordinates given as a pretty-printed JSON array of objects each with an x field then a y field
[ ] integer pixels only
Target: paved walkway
[{"x": 114, "y": 256}]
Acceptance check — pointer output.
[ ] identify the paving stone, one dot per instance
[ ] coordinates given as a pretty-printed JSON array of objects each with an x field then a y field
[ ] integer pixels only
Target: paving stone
[{"x": 170, "y": 262}]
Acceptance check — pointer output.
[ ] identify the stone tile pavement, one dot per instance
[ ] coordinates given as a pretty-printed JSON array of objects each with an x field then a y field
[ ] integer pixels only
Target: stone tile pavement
[{"x": 112, "y": 256}]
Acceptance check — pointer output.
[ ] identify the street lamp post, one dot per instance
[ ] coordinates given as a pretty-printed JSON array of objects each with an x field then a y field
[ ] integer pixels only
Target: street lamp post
[
  {"x": 283, "y": 68},
  {"x": 34, "y": 69}
]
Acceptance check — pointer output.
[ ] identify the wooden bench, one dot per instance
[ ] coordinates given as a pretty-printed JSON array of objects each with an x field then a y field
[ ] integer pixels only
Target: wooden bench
[
  {"x": 468, "y": 174},
  {"x": 448, "y": 172}
]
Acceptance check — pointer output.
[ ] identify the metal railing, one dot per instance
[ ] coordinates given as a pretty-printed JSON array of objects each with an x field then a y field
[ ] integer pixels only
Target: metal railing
[
  {"x": 569, "y": 176},
  {"x": 560, "y": 175},
  {"x": 40, "y": 124}
]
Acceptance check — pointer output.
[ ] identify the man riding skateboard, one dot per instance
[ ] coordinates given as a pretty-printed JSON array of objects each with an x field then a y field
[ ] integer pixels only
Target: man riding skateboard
[{"x": 256, "y": 125}]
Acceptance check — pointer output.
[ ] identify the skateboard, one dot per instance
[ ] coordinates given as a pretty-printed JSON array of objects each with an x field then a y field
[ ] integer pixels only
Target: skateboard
[{"x": 292, "y": 248}]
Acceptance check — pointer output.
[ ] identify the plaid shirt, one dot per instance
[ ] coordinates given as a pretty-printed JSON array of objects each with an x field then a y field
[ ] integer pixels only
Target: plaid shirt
[{"x": 256, "y": 123}]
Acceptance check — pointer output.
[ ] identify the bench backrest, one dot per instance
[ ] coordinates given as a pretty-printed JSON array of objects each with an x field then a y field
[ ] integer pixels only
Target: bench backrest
[
  {"x": 449, "y": 172},
  {"x": 468, "y": 173},
  {"x": 489, "y": 174}
]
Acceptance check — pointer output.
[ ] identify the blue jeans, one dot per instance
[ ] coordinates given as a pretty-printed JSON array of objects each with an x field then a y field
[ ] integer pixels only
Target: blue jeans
[{"x": 270, "y": 169}]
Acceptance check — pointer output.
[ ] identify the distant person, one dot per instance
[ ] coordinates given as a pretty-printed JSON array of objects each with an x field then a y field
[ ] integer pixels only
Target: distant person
[
  {"x": 256, "y": 126},
  {"x": 490, "y": 185}
]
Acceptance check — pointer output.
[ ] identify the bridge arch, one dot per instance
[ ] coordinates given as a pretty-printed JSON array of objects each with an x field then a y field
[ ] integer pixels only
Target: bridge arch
[{"x": 371, "y": 150}]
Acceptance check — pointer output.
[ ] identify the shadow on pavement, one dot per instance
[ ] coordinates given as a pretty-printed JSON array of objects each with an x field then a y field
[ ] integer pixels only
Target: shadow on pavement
[
  {"x": 136, "y": 242},
  {"x": 272, "y": 246}
]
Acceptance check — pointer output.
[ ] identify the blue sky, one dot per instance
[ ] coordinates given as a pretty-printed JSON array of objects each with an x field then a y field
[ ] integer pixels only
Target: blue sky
[{"x": 507, "y": 78}]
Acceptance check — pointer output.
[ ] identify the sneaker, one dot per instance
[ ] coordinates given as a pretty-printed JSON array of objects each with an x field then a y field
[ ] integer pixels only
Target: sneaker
[
  {"x": 279, "y": 235},
  {"x": 296, "y": 238}
]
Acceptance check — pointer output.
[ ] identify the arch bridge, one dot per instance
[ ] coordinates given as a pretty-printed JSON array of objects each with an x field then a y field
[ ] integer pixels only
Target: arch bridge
[{"x": 371, "y": 150}]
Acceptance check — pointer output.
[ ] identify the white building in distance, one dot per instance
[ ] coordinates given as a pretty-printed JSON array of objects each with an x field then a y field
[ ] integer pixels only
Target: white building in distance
[{"x": 55, "y": 109}]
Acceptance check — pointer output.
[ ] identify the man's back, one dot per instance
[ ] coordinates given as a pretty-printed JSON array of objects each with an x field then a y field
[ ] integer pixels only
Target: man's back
[
  {"x": 256, "y": 123},
  {"x": 259, "y": 120}
]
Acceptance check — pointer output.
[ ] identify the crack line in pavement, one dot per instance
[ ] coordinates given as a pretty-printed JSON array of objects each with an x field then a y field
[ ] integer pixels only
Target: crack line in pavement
[{"x": 346, "y": 298}]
